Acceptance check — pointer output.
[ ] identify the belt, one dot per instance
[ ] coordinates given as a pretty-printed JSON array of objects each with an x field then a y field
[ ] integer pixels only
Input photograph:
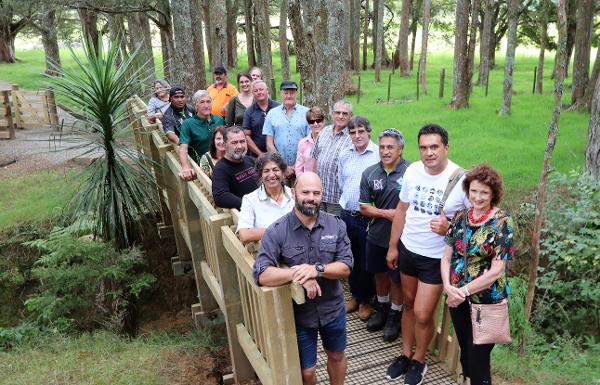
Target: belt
[{"x": 352, "y": 213}]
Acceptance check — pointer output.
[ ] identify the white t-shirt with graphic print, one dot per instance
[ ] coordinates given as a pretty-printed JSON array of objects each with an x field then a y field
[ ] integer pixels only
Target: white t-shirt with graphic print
[{"x": 423, "y": 193}]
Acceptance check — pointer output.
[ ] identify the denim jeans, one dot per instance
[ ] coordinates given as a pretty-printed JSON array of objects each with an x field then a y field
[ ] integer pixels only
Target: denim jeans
[{"x": 361, "y": 282}]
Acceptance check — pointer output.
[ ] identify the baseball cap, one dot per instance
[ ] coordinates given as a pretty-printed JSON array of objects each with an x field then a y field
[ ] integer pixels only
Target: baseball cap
[
  {"x": 288, "y": 85},
  {"x": 220, "y": 70},
  {"x": 176, "y": 89}
]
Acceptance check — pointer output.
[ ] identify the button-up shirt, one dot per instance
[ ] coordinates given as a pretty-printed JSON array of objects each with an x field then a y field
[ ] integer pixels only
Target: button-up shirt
[
  {"x": 350, "y": 168},
  {"x": 260, "y": 210},
  {"x": 288, "y": 241},
  {"x": 304, "y": 162},
  {"x": 326, "y": 151},
  {"x": 286, "y": 130},
  {"x": 197, "y": 132},
  {"x": 254, "y": 120}
]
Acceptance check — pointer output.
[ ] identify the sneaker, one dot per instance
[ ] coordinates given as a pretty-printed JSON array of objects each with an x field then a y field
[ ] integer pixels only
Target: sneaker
[
  {"x": 377, "y": 321},
  {"x": 351, "y": 305},
  {"x": 398, "y": 367},
  {"x": 415, "y": 374},
  {"x": 364, "y": 311},
  {"x": 391, "y": 331}
]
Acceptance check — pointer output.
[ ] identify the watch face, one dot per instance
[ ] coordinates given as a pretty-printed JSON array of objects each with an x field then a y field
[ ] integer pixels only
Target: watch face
[{"x": 320, "y": 268}]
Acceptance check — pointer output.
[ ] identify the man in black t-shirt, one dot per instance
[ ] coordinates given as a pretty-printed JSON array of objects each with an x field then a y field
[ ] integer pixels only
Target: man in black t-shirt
[
  {"x": 233, "y": 176},
  {"x": 177, "y": 112}
]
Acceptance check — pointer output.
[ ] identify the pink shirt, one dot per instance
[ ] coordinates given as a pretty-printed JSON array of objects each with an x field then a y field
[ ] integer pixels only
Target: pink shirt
[{"x": 304, "y": 162}]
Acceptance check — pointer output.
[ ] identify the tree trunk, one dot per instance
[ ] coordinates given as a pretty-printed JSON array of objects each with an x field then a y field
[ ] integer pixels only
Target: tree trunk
[
  {"x": 592, "y": 149},
  {"x": 571, "y": 6},
  {"x": 509, "y": 62},
  {"x": 7, "y": 39},
  {"x": 184, "y": 71},
  {"x": 50, "y": 40},
  {"x": 552, "y": 134},
  {"x": 365, "y": 50},
  {"x": 460, "y": 88},
  {"x": 248, "y": 29},
  {"x": 117, "y": 33},
  {"x": 583, "y": 45},
  {"x": 378, "y": 42},
  {"x": 584, "y": 103},
  {"x": 207, "y": 30},
  {"x": 283, "y": 46},
  {"x": 196, "y": 16},
  {"x": 257, "y": 38},
  {"x": 89, "y": 25},
  {"x": 484, "y": 51},
  {"x": 539, "y": 77},
  {"x": 232, "y": 12},
  {"x": 218, "y": 32},
  {"x": 139, "y": 35},
  {"x": 355, "y": 35},
  {"x": 264, "y": 34},
  {"x": 318, "y": 26},
  {"x": 424, "y": 41},
  {"x": 413, "y": 32},
  {"x": 403, "y": 39},
  {"x": 472, "y": 43},
  {"x": 166, "y": 37}
]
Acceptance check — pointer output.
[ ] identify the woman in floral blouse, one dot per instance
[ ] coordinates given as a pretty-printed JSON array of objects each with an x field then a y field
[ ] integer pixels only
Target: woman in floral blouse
[{"x": 490, "y": 244}]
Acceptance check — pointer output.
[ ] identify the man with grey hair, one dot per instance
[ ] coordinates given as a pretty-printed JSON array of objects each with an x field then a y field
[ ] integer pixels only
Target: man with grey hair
[
  {"x": 330, "y": 142},
  {"x": 254, "y": 117},
  {"x": 379, "y": 195},
  {"x": 234, "y": 175},
  {"x": 196, "y": 133}
]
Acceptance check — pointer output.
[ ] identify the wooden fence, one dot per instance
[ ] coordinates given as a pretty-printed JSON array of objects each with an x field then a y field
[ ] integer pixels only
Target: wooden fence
[
  {"x": 26, "y": 110},
  {"x": 259, "y": 320}
]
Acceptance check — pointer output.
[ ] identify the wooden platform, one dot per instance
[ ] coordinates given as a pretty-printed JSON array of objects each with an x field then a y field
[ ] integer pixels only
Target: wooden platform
[{"x": 369, "y": 356}]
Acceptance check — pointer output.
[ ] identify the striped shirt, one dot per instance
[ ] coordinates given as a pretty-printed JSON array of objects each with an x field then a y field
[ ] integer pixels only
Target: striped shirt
[
  {"x": 350, "y": 168},
  {"x": 327, "y": 151}
]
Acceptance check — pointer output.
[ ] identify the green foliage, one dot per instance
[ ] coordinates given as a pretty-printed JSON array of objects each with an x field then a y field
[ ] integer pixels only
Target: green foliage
[
  {"x": 83, "y": 282},
  {"x": 117, "y": 188},
  {"x": 519, "y": 327},
  {"x": 568, "y": 298}
]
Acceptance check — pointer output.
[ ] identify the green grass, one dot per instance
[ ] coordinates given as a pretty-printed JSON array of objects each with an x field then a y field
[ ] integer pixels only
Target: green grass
[
  {"x": 34, "y": 197},
  {"x": 102, "y": 358}
]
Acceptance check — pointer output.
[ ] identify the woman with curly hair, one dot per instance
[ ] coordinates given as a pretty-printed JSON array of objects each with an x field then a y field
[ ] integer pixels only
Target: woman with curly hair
[{"x": 489, "y": 238}]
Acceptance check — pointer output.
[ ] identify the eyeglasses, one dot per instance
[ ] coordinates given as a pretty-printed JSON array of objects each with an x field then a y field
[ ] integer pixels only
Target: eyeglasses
[
  {"x": 313, "y": 121},
  {"x": 343, "y": 113}
]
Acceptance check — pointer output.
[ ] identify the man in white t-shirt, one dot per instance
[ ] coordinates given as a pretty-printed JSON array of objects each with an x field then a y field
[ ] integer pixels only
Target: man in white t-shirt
[{"x": 420, "y": 225}]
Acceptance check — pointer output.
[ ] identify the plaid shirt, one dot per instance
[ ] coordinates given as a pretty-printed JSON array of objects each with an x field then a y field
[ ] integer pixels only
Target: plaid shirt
[
  {"x": 350, "y": 168},
  {"x": 327, "y": 151}
]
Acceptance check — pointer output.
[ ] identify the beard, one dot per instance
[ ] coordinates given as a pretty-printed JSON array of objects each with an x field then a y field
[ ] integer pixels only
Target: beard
[
  {"x": 236, "y": 155},
  {"x": 305, "y": 209}
]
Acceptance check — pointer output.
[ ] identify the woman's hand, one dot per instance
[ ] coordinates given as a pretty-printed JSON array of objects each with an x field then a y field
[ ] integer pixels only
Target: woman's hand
[{"x": 455, "y": 296}]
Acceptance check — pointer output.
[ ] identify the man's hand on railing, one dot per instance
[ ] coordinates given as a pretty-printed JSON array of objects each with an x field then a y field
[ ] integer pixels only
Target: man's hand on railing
[
  {"x": 187, "y": 174},
  {"x": 303, "y": 273},
  {"x": 312, "y": 288}
]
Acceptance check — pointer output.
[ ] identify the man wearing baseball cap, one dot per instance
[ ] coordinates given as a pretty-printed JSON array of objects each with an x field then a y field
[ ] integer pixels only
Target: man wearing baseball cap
[
  {"x": 176, "y": 113},
  {"x": 221, "y": 91}
]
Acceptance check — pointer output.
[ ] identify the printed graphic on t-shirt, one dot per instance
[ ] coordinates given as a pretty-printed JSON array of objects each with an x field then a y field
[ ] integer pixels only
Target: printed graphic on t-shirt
[
  {"x": 244, "y": 175},
  {"x": 427, "y": 200}
]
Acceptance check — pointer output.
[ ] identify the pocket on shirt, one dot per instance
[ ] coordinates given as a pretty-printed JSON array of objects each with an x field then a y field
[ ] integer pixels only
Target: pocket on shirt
[
  {"x": 292, "y": 255},
  {"x": 327, "y": 250}
]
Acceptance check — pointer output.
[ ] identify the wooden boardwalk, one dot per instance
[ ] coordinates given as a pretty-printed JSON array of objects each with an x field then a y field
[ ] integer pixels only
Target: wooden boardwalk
[{"x": 369, "y": 356}]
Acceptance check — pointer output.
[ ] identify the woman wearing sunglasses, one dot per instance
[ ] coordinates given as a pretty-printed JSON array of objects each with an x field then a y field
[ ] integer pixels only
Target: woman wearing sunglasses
[{"x": 316, "y": 121}]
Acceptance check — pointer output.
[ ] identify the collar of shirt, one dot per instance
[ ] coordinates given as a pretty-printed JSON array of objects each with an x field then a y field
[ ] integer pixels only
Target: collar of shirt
[
  {"x": 225, "y": 84},
  {"x": 296, "y": 224},
  {"x": 262, "y": 193},
  {"x": 398, "y": 166},
  {"x": 208, "y": 121},
  {"x": 285, "y": 110},
  {"x": 372, "y": 147}
]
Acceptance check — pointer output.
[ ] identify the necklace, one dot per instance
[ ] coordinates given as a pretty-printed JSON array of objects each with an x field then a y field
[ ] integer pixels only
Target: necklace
[
  {"x": 482, "y": 218},
  {"x": 276, "y": 199}
]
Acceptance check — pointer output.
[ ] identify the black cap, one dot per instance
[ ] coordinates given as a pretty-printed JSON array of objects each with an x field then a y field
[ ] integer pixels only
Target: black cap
[
  {"x": 288, "y": 85},
  {"x": 220, "y": 70},
  {"x": 176, "y": 89}
]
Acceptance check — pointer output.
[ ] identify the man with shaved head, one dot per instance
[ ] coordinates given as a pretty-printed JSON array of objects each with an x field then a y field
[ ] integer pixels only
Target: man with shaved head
[{"x": 315, "y": 246}]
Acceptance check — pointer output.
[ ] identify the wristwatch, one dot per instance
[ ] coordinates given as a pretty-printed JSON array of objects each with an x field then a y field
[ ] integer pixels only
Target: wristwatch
[{"x": 320, "y": 269}]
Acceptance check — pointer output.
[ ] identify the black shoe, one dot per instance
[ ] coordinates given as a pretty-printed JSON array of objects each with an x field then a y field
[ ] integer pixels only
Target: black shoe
[
  {"x": 398, "y": 367},
  {"x": 377, "y": 321},
  {"x": 392, "y": 326},
  {"x": 415, "y": 374}
]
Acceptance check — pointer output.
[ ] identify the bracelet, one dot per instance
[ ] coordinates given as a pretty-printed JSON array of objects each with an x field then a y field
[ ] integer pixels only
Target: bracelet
[{"x": 467, "y": 293}]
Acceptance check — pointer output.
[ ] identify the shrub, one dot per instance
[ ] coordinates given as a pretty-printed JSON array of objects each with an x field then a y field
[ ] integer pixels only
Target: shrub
[{"x": 83, "y": 282}]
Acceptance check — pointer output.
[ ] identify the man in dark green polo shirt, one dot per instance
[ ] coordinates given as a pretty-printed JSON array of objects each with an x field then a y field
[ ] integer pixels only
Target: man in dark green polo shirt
[{"x": 196, "y": 132}]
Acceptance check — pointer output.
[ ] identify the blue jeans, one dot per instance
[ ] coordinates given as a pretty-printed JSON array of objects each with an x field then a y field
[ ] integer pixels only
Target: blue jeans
[
  {"x": 333, "y": 336},
  {"x": 360, "y": 281}
]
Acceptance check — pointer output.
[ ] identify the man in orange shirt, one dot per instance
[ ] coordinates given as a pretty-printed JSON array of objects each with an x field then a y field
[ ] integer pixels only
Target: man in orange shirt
[{"x": 221, "y": 91}]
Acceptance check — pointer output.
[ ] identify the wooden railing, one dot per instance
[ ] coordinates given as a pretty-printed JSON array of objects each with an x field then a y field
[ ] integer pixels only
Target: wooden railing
[
  {"x": 26, "y": 109},
  {"x": 259, "y": 320}
]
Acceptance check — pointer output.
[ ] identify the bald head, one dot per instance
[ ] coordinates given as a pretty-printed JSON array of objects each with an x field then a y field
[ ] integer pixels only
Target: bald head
[{"x": 308, "y": 192}]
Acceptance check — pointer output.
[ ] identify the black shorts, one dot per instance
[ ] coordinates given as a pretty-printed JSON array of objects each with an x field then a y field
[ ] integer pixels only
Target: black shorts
[
  {"x": 376, "y": 262},
  {"x": 426, "y": 269}
]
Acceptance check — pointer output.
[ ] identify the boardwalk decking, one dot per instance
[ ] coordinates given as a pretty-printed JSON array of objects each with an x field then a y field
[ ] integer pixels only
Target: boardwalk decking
[{"x": 369, "y": 357}]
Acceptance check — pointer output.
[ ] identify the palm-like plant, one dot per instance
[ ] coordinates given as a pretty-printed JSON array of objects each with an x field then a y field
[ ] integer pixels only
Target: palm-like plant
[{"x": 116, "y": 193}]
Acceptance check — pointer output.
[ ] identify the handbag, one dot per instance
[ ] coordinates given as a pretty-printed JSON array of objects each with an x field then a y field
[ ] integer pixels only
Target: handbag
[{"x": 490, "y": 322}]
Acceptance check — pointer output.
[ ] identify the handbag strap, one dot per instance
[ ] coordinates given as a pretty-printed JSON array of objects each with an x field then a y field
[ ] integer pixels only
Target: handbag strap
[
  {"x": 452, "y": 181},
  {"x": 465, "y": 246}
]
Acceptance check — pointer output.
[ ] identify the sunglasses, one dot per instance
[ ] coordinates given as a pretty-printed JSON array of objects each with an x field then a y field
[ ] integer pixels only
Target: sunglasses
[{"x": 311, "y": 121}]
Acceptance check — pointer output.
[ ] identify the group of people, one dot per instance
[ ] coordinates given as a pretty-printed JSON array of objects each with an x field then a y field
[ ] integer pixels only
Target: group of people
[{"x": 331, "y": 204}]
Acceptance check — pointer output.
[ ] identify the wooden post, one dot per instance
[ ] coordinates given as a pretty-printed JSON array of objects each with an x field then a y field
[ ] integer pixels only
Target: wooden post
[
  {"x": 418, "y": 77},
  {"x": 15, "y": 106},
  {"x": 487, "y": 84},
  {"x": 8, "y": 116},
  {"x": 358, "y": 92},
  {"x": 442, "y": 79},
  {"x": 389, "y": 86},
  {"x": 52, "y": 111},
  {"x": 534, "y": 79},
  {"x": 274, "y": 96}
]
